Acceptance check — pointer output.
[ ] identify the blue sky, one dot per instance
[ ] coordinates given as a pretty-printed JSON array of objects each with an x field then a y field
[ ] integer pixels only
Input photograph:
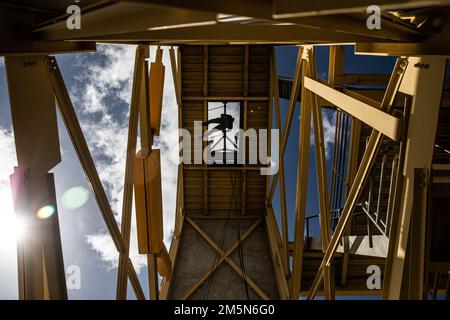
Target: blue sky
[{"x": 100, "y": 88}]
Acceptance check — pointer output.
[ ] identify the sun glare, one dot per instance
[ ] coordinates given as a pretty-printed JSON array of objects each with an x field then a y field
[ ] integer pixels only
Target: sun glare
[{"x": 12, "y": 229}]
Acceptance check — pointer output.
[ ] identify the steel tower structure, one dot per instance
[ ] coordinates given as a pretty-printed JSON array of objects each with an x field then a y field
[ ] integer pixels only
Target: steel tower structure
[{"x": 385, "y": 204}]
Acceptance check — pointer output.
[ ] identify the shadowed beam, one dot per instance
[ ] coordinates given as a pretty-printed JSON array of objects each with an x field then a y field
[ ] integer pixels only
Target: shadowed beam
[
  {"x": 227, "y": 32},
  {"x": 294, "y": 8},
  {"x": 259, "y": 8},
  {"x": 12, "y": 47},
  {"x": 121, "y": 18}
]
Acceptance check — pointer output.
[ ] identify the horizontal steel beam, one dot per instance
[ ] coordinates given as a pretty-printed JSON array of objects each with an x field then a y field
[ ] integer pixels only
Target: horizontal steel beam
[
  {"x": 11, "y": 46},
  {"x": 228, "y": 98},
  {"x": 295, "y": 8},
  {"x": 231, "y": 33},
  {"x": 259, "y": 8},
  {"x": 381, "y": 121},
  {"x": 122, "y": 18}
]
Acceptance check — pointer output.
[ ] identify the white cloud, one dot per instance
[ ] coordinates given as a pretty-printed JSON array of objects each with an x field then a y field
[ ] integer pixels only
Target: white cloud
[
  {"x": 106, "y": 135},
  {"x": 328, "y": 123},
  {"x": 8, "y": 225}
]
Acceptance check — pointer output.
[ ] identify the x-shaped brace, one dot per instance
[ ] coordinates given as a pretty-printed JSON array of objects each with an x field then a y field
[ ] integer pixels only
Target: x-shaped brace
[{"x": 224, "y": 256}]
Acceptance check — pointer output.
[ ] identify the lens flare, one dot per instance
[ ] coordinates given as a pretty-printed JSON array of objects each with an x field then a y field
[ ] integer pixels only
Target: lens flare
[
  {"x": 75, "y": 197},
  {"x": 46, "y": 212},
  {"x": 19, "y": 228}
]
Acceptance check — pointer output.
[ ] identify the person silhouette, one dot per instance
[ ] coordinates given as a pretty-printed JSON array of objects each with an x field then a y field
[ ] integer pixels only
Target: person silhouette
[{"x": 225, "y": 121}]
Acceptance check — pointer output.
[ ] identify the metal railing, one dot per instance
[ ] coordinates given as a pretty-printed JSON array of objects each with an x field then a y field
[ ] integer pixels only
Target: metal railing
[{"x": 378, "y": 205}]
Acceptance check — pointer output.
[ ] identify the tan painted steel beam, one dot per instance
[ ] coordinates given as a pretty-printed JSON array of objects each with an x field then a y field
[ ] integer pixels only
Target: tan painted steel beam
[
  {"x": 15, "y": 47},
  {"x": 433, "y": 44},
  {"x": 336, "y": 76},
  {"x": 319, "y": 146},
  {"x": 275, "y": 242},
  {"x": 290, "y": 114},
  {"x": 436, "y": 48},
  {"x": 152, "y": 277},
  {"x": 335, "y": 64},
  {"x": 393, "y": 28},
  {"x": 322, "y": 177},
  {"x": 136, "y": 285},
  {"x": 355, "y": 134},
  {"x": 281, "y": 174},
  {"x": 293, "y": 8},
  {"x": 228, "y": 98},
  {"x": 121, "y": 293},
  {"x": 233, "y": 33},
  {"x": 374, "y": 117},
  {"x": 228, "y": 168},
  {"x": 259, "y": 8},
  {"x": 173, "y": 64},
  {"x": 418, "y": 154},
  {"x": 116, "y": 18},
  {"x": 145, "y": 131},
  {"x": 302, "y": 183},
  {"x": 179, "y": 213}
]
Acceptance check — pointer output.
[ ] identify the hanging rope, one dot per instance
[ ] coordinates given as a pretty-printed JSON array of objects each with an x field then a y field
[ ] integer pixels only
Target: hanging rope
[
  {"x": 220, "y": 245},
  {"x": 240, "y": 249}
]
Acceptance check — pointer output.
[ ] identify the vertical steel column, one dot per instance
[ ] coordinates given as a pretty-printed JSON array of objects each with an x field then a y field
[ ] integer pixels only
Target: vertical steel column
[
  {"x": 40, "y": 260},
  {"x": 122, "y": 278},
  {"x": 426, "y": 73},
  {"x": 322, "y": 177},
  {"x": 302, "y": 183},
  {"x": 283, "y": 206}
]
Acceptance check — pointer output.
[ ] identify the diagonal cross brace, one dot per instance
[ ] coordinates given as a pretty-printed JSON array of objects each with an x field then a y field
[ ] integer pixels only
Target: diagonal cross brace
[{"x": 224, "y": 256}]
